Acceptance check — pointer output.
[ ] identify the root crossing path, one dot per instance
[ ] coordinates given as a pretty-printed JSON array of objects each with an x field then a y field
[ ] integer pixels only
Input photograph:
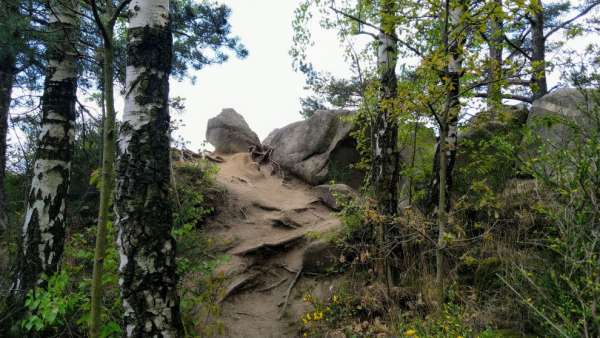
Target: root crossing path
[{"x": 267, "y": 221}]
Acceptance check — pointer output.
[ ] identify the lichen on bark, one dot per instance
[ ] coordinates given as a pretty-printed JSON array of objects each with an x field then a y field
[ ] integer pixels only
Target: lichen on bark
[
  {"x": 147, "y": 249},
  {"x": 42, "y": 237}
]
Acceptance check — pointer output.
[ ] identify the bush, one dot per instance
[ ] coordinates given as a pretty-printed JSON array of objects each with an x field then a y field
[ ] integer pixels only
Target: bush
[{"x": 563, "y": 291}]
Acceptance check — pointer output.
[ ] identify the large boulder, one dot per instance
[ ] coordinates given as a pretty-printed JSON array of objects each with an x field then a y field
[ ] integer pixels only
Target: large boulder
[
  {"x": 558, "y": 121},
  {"x": 317, "y": 149},
  {"x": 229, "y": 133},
  {"x": 549, "y": 113}
]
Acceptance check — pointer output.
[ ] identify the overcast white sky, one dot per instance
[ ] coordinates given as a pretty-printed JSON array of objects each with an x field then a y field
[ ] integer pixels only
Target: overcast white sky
[{"x": 263, "y": 87}]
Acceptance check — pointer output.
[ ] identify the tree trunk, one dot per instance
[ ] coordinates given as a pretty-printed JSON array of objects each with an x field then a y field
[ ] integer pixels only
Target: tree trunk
[
  {"x": 7, "y": 66},
  {"x": 44, "y": 227},
  {"x": 386, "y": 155},
  {"x": 147, "y": 249},
  {"x": 454, "y": 38},
  {"x": 494, "y": 94},
  {"x": 539, "y": 85},
  {"x": 106, "y": 189}
]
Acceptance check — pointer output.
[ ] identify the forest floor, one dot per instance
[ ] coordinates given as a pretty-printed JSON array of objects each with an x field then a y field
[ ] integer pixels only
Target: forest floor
[{"x": 267, "y": 222}]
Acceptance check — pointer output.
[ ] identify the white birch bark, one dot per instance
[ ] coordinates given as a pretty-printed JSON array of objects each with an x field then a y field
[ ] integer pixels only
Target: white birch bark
[
  {"x": 44, "y": 226},
  {"x": 147, "y": 249}
]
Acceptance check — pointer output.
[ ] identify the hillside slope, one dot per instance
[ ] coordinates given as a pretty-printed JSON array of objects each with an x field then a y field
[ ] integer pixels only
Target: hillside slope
[{"x": 268, "y": 220}]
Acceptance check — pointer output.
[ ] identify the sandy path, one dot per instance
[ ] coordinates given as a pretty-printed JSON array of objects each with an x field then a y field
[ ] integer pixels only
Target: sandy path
[{"x": 266, "y": 220}]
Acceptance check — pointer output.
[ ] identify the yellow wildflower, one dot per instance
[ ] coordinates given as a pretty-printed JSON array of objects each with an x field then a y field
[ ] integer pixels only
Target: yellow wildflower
[{"x": 410, "y": 333}]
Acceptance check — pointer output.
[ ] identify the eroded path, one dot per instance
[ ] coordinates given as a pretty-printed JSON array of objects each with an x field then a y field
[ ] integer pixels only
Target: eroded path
[{"x": 268, "y": 222}]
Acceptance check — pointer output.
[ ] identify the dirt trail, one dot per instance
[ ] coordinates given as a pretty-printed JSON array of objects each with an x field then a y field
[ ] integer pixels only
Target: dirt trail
[{"x": 266, "y": 220}]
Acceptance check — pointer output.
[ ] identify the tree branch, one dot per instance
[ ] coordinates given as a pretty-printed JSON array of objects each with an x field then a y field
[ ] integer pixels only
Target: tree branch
[
  {"x": 519, "y": 49},
  {"x": 566, "y": 23},
  {"x": 100, "y": 24},
  {"x": 118, "y": 10},
  {"x": 507, "y": 96},
  {"x": 368, "y": 24}
]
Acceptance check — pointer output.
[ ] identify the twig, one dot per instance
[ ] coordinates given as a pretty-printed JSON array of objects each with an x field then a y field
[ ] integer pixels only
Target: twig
[
  {"x": 289, "y": 291},
  {"x": 247, "y": 314},
  {"x": 272, "y": 286},
  {"x": 537, "y": 311},
  {"x": 283, "y": 266}
]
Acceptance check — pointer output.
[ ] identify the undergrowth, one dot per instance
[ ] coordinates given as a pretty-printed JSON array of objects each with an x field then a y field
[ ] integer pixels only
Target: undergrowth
[{"x": 62, "y": 309}]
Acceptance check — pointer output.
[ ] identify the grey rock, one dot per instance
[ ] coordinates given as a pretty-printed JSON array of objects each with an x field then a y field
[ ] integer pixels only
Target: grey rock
[
  {"x": 331, "y": 194},
  {"x": 567, "y": 104},
  {"x": 229, "y": 133},
  {"x": 552, "y": 119},
  {"x": 320, "y": 257},
  {"x": 317, "y": 149}
]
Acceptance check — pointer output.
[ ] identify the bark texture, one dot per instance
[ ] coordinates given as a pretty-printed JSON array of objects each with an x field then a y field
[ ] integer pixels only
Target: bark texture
[
  {"x": 43, "y": 232},
  {"x": 7, "y": 65},
  {"x": 147, "y": 249},
  {"x": 386, "y": 159},
  {"x": 454, "y": 39},
  {"x": 539, "y": 85}
]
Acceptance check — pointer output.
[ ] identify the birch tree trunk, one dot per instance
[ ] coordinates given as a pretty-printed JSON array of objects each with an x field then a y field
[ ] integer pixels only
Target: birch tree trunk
[
  {"x": 147, "y": 249},
  {"x": 386, "y": 155},
  {"x": 43, "y": 232},
  {"x": 454, "y": 38}
]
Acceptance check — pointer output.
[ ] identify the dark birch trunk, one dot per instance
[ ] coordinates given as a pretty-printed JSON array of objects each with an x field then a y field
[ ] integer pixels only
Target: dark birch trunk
[
  {"x": 147, "y": 249},
  {"x": 43, "y": 232},
  {"x": 454, "y": 38},
  {"x": 539, "y": 85},
  {"x": 385, "y": 174}
]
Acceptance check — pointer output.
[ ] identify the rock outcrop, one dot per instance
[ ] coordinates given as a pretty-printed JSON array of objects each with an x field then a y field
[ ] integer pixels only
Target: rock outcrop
[
  {"x": 559, "y": 121},
  {"x": 565, "y": 105},
  {"x": 229, "y": 133},
  {"x": 317, "y": 149},
  {"x": 331, "y": 194}
]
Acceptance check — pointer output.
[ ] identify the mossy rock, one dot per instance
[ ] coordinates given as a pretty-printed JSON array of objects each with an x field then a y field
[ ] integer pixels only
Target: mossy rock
[{"x": 481, "y": 273}]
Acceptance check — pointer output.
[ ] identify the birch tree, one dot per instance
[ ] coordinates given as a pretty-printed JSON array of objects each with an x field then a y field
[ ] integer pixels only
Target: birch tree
[
  {"x": 147, "y": 249},
  {"x": 43, "y": 232},
  {"x": 385, "y": 175},
  {"x": 453, "y": 39}
]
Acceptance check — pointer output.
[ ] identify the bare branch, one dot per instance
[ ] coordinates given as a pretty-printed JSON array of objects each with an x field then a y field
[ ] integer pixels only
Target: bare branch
[
  {"x": 508, "y": 96},
  {"x": 571, "y": 20},
  {"x": 118, "y": 11}
]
